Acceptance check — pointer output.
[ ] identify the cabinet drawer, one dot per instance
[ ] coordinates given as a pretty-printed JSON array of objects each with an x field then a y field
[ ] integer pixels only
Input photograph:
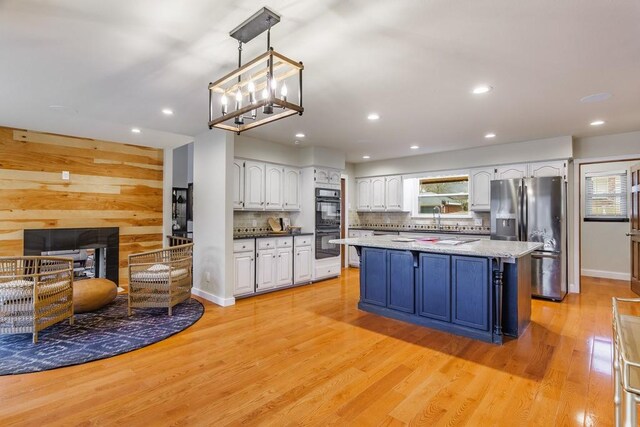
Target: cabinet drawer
[
  {"x": 327, "y": 271},
  {"x": 284, "y": 242},
  {"x": 266, "y": 243},
  {"x": 243, "y": 245},
  {"x": 303, "y": 240}
]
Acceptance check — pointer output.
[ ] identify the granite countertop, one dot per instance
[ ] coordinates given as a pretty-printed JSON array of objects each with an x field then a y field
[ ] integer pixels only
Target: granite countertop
[
  {"x": 472, "y": 230},
  {"x": 265, "y": 235},
  {"x": 484, "y": 248}
]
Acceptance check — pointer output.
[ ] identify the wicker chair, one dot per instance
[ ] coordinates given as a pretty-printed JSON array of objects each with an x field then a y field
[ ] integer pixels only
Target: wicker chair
[
  {"x": 160, "y": 278},
  {"x": 35, "y": 292}
]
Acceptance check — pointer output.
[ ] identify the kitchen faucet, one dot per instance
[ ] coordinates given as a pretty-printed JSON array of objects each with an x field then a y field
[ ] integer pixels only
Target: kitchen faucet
[{"x": 437, "y": 219}]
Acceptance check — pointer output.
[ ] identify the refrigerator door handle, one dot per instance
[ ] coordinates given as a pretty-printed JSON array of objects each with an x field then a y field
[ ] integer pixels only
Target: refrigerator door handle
[
  {"x": 519, "y": 214},
  {"x": 525, "y": 206},
  {"x": 553, "y": 255}
]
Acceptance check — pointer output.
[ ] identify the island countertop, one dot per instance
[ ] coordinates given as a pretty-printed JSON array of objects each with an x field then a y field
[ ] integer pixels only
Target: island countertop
[{"x": 481, "y": 248}]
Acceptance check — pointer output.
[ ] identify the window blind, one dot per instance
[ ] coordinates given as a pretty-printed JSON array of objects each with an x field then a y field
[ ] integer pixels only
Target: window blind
[{"x": 606, "y": 195}]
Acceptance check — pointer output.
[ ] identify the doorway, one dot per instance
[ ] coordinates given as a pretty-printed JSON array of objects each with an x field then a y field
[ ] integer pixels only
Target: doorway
[{"x": 604, "y": 211}]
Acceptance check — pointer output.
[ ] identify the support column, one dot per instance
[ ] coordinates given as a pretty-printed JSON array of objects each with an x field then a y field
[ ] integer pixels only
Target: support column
[
  {"x": 213, "y": 216},
  {"x": 497, "y": 284}
]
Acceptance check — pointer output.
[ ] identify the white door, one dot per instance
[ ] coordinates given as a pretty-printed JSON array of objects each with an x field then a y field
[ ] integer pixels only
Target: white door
[
  {"x": 284, "y": 270},
  {"x": 253, "y": 185},
  {"x": 322, "y": 176},
  {"x": 393, "y": 193},
  {"x": 244, "y": 273},
  {"x": 291, "y": 189},
  {"x": 480, "y": 189},
  {"x": 274, "y": 183},
  {"x": 377, "y": 194},
  {"x": 334, "y": 177},
  {"x": 266, "y": 269},
  {"x": 238, "y": 184},
  {"x": 558, "y": 168},
  {"x": 363, "y": 187},
  {"x": 511, "y": 171},
  {"x": 303, "y": 264}
]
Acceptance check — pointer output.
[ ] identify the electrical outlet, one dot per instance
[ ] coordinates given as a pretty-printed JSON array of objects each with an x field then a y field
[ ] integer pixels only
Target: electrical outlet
[
  {"x": 387, "y": 221},
  {"x": 207, "y": 276},
  {"x": 254, "y": 223},
  {"x": 477, "y": 222},
  {"x": 65, "y": 175}
]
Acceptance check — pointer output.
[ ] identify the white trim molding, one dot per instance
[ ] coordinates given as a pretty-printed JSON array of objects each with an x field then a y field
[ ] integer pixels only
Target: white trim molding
[
  {"x": 224, "y": 302},
  {"x": 615, "y": 275}
]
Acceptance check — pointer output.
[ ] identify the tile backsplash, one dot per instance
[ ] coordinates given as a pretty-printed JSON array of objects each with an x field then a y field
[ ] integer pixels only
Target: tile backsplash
[
  {"x": 404, "y": 221},
  {"x": 243, "y": 222}
]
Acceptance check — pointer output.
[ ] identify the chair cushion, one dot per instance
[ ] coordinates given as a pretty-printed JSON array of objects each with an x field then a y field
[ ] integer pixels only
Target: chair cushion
[{"x": 156, "y": 276}]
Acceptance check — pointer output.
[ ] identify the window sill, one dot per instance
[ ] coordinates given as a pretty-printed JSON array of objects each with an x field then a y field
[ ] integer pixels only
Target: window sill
[{"x": 605, "y": 219}]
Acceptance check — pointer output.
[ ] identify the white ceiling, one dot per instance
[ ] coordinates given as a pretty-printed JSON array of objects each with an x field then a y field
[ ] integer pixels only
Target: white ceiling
[{"x": 115, "y": 64}]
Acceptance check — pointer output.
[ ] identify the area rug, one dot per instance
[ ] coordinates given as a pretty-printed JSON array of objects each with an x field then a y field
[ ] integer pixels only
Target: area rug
[{"x": 104, "y": 333}]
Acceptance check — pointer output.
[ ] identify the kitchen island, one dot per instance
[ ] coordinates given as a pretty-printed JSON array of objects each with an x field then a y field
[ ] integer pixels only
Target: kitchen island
[{"x": 476, "y": 288}]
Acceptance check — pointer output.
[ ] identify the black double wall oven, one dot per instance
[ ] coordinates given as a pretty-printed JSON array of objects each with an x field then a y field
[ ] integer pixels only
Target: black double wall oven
[{"x": 327, "y": 222}]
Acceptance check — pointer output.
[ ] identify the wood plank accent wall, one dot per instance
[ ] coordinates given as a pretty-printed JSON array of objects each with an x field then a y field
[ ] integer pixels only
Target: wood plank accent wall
[{"x": 111, "y": 185}]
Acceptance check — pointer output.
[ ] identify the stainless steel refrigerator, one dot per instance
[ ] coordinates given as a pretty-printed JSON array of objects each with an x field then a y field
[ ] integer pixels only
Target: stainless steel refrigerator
[{"x": 534, "y": 210}]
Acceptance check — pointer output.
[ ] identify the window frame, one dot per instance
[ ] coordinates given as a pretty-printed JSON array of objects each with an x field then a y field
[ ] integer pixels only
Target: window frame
[
  {"x": 415, "y": 192},
  {"x": 623, "y": 194}
]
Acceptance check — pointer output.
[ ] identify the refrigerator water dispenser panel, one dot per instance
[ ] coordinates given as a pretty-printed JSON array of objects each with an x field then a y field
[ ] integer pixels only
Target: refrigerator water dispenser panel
[{"x": 505, "y": 227}]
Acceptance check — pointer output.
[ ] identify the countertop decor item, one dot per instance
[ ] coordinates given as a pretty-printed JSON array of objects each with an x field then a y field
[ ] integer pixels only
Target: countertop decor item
[{"x": 254, "y": 95}]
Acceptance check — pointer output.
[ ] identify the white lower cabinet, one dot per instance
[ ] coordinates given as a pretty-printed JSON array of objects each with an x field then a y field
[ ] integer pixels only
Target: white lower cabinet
[
  {"x": 303, "y": 260},
  {"x": 244, "y": 265},
  {"x": 354, "y": 258},
  {"x": 284, "y": 267},
  {"x": 266, "y": 269},
  {"x": 275, "y": 263}
]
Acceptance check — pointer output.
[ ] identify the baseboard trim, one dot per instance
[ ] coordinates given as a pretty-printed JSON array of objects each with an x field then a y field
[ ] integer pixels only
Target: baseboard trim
[
  {"x": 224, "y": 302},
  {"x": 604, "y": 274}
]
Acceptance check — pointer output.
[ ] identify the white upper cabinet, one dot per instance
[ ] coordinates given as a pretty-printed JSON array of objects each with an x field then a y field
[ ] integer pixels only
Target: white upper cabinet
[
  {"x": 334, "y": 177},
  {"x": 377, "y": 194},
  {"x": 238, "y": 184},
  {"x": 380, "y": 194},
  {"x": 540, "y": 169},
  {"x": 393, "y": 193},
  {"x": 291, "y": 189},
  {"x": 480, "y": 189},
  {"x": 322, "y": 176},
  {"x": 263, "y": 186},
  {"x": 274, "y": 181},
  {"x": 254, "y": 185},
  {"x": 363, "y": 193},
  {"x": 511, "y": 171}
]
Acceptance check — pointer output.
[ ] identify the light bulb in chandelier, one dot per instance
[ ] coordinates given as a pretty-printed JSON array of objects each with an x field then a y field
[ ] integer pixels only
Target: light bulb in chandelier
[
  {"x": 239, "y": 119},
  {"x": 265, "y": 93},
  {"x": 283, "y": 92},
  {"x": 252, "y": 92},
  {"x": 223, "y": 102}
]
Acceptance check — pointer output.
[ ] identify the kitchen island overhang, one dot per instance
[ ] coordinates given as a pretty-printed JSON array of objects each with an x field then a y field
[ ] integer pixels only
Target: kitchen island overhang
[{"x": 479, "y": 289}]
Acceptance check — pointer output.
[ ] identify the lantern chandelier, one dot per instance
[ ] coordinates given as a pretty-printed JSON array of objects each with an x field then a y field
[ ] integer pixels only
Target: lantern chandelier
[{"x": 259, "y": 94}]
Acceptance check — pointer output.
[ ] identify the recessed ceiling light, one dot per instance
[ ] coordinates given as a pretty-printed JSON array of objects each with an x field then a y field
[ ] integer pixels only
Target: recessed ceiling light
[
  {"x": 482, "y": 89},
  {"x": 597, "y": 123},
  {"x": 414, "y": 147},
  {"x": 490, "y": 135},
  {"x": 135, "y": 130},
  {"x": 300, "y": 135},
  {"x": 167, "y": 111},
  {"x": 296, "y": 142},
  {"x": 596, "y": 97},
  {"x": 373, "y": 116},
  {"x": 366, "y": 157}
]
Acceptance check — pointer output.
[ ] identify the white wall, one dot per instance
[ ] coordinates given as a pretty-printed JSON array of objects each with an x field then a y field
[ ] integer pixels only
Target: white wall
[
  {"x": 213, "y": 214},
  {"x": 528, "y": 151},
  {"x": 181, "y": 166},
  {"x": 604, "y": 246},
  {"x": 620, "y": 144},
  {"x": 292, "y": 155}
]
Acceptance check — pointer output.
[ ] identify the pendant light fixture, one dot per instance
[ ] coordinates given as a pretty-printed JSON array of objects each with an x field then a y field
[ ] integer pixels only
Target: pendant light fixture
[{"x": 242, "y": 84}]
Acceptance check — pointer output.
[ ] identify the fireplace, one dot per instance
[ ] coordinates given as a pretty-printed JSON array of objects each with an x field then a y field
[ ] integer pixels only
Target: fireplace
[{"x": 95, "y": 251}]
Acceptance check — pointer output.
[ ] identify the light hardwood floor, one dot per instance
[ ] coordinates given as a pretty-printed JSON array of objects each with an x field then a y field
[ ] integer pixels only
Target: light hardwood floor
[{"x": 308, "y": 356}]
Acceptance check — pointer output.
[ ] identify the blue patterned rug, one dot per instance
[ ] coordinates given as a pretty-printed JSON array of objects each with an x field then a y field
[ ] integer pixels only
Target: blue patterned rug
[{"x": 103, "y": 333}]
